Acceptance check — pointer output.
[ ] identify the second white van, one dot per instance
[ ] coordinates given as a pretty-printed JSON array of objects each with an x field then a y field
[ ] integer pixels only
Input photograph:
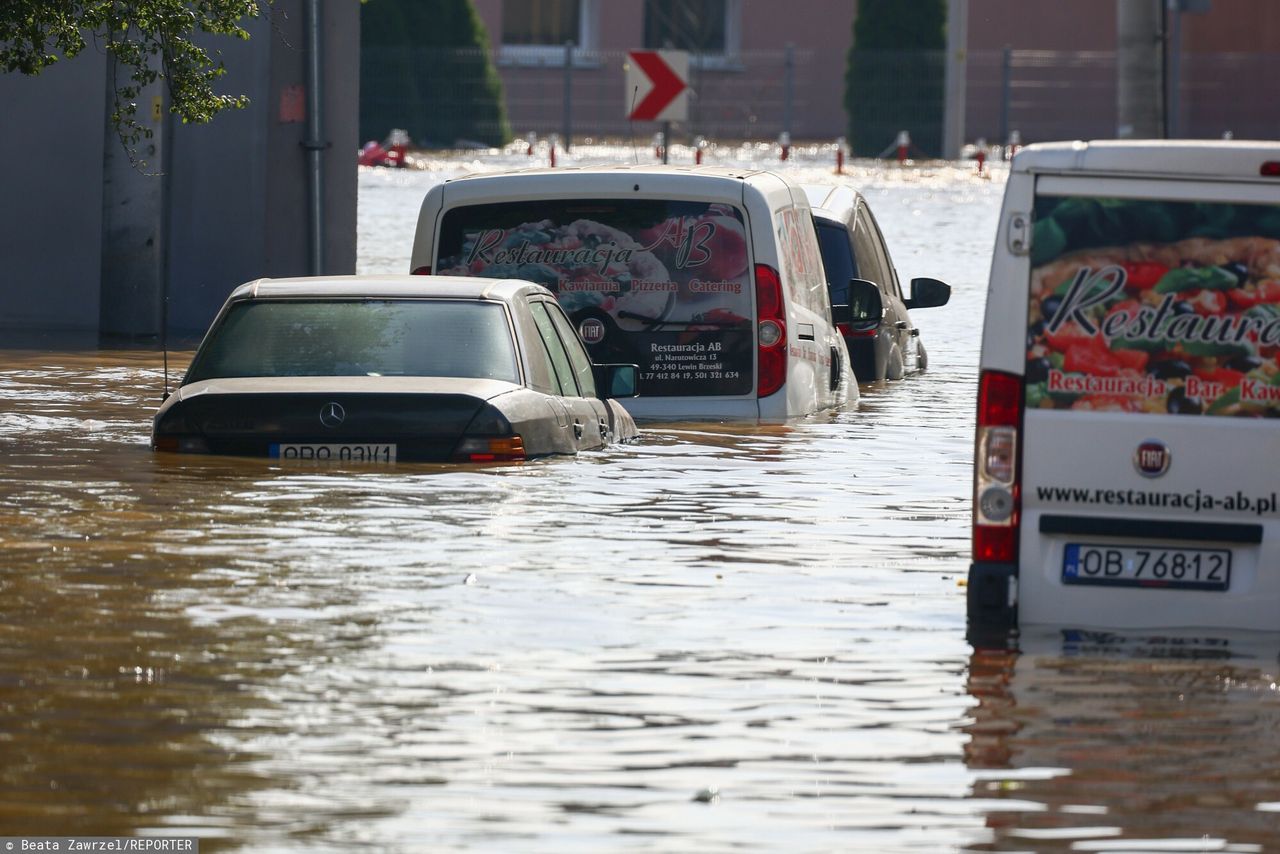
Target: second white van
[{"x": 710, "y": 280}]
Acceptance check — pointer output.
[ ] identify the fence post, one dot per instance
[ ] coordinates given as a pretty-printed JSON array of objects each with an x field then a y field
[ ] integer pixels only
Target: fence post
[
  {"x": 788, "y": 92},
  {"x": 568, "y": 95},
  {"x": 1006, "y": 91}
]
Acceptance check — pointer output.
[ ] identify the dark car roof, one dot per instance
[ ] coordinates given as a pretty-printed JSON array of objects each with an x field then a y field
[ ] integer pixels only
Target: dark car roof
[
  {"x": 836, "y": 202},
  {"x": 396, "y": 287}
]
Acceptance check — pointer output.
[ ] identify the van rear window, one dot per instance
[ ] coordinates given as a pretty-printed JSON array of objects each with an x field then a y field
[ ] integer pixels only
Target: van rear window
[
  {"x": 1152, "y": 306},
  {"x": 665, "y": 285}
]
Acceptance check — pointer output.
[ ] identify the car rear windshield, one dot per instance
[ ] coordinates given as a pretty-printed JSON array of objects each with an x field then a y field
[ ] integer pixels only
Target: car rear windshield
[
  {"x": 311, "y": 338},
  {"x": 662, "y": 284}
]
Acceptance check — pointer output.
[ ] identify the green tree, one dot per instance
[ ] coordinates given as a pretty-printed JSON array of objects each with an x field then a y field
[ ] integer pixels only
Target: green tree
[
  {"x": 150, "y": 37},
  {"x": 894, "y": 79},
  {"x": 425, "y": 67}
]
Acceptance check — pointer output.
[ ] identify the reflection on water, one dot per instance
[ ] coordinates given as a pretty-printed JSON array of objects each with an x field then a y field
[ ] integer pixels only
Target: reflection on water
[
  {"x": 1088, "y": 740},
  {"x": 719, "y": 637}
]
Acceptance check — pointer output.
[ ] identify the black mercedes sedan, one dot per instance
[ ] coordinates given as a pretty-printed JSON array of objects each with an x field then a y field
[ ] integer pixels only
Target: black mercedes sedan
[{"x": 381, "y": 369}]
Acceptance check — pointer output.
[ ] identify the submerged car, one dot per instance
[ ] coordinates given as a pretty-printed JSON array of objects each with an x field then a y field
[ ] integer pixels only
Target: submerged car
[
  {"x": 400, "y": 368},
  {"x": 887, "y": 346}
]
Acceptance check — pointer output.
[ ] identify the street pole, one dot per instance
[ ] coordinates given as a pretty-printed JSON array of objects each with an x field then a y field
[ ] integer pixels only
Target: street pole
[
  {"x": 956, "y": 73},
  {"x": 568, "y": 96},
  {"x": 1139, "y": 70}
]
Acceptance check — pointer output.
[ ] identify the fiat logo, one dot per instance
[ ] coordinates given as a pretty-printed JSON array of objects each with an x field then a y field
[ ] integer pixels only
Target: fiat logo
[
  {"x": 332, "y": 415},
  {"x": 591, "y": 330},
  {"x": 1152, "y": 458}
]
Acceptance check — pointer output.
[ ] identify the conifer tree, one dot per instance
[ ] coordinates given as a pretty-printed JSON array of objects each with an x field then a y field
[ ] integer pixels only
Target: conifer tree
[
  {"x": 894, "y": 78},
  {"x": 425, "y": 67}
]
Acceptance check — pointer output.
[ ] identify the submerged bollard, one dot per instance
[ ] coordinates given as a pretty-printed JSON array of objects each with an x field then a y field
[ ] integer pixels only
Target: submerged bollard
[
  {"x": 784, "y": 142},
  {"x": 839, "y": 155},
  {"x": 904, "y": 145}
]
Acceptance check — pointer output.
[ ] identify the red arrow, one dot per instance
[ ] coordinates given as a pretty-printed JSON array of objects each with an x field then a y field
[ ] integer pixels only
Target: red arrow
[{"x": 666, "y": 85}]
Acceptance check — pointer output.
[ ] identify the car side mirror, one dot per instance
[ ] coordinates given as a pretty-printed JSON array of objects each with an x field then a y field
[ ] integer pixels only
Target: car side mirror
[
  {"x": 928, "y": 293},
  {"x": 614, "y": 381},
  {"x": 864, "y": 303}
]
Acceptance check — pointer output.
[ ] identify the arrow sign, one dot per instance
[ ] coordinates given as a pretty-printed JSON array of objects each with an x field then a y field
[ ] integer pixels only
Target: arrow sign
[{"x": 657, "y": 85}]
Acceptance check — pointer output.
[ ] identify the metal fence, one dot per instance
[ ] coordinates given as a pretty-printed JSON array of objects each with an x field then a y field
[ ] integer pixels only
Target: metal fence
[{"x": 756, "y": 95}]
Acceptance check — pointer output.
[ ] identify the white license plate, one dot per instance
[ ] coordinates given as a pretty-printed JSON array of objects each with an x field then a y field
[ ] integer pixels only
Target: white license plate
[
  {"x": 1146, "y": 566},
  {"x": 351, "y": 453}
]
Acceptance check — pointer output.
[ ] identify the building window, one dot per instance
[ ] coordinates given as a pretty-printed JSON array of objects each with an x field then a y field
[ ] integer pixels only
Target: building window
[
  {"x": 708, "y": 29},
  {"x": 541, "y": 22},
  {"x": 534, "y": 31}
]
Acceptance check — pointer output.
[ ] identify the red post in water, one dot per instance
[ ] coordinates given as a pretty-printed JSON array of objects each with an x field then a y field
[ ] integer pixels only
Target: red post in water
[
  {"x": 553, "y": 155},
  {"x": 982, "y": 159},
  {"x": 784, "y": 142}
]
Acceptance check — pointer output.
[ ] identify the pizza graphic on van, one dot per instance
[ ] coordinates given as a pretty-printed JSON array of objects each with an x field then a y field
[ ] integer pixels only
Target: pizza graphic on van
[{"x": 1182, "y": 318}]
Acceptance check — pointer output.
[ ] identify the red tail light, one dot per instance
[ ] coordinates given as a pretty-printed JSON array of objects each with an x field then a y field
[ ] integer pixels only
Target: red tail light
[
  {"x": 1270, "y": 169},
  {"x": 771, "y": 332},
  {"x": 424, "y": 270},
  {"x": 997, "y": 479}
]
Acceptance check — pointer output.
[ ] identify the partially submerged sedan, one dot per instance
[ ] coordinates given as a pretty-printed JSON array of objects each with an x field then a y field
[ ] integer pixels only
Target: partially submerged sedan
[{"x": 382, "y": 369}]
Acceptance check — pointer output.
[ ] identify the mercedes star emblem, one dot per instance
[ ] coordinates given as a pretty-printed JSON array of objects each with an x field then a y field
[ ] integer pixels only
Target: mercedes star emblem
[{"x": 332, "y": 415}]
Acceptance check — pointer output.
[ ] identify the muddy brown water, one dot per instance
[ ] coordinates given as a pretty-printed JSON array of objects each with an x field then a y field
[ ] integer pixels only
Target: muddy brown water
[{"x": 720, "y": 637}]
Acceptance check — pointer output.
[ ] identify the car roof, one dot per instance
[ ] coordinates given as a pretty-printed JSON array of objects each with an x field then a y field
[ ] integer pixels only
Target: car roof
[
  {"x": 1181, "y": 157},
  {"x": 832, "y": 201},
  {"x": 394, "y": 286}
]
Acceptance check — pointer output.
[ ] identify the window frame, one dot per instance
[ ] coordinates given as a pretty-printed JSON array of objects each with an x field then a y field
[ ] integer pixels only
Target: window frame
[
  {"x": 550, "y": 338},
  {"x": 730, "y": 58},
  {"x": 552, "y": 55}
]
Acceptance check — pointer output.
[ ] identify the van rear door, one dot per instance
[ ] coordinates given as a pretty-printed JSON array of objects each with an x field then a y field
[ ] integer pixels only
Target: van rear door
[{"x": 1150, "y": 460}]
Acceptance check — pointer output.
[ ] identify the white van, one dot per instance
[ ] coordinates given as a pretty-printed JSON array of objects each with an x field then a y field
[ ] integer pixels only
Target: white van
[
  {"x": 1128, "y": 442},
  {"x": 710, "y": 280}
]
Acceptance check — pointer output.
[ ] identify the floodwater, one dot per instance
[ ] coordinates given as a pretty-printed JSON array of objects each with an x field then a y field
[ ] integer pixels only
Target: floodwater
[{"x": 718, "y": 638}]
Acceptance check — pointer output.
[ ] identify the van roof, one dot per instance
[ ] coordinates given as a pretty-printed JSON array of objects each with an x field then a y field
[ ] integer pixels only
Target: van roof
[
  {"x": 1238, "y": 159},
  {"x": 564, "y": 172},
  {"x": 580, "y": 181}
]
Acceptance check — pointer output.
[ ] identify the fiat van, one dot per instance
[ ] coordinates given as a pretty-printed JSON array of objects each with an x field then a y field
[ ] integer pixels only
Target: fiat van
[
  {"x": 1127, "y": 462},
  {"x": 709, "y": 279}
]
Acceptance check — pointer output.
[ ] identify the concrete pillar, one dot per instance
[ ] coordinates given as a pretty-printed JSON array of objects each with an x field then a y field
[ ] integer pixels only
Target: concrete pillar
[
  {"x": 133, "y": 231},
  {"x": 1139, "y": 70},
  {"x": 956, "y": 78}
]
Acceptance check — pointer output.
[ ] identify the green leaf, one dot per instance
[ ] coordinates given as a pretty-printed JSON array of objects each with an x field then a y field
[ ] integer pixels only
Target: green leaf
[{"x": 1196, "y": 278}]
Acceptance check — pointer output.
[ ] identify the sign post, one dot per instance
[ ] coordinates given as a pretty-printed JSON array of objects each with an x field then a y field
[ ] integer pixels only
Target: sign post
[{"x": 658, "y": 89}]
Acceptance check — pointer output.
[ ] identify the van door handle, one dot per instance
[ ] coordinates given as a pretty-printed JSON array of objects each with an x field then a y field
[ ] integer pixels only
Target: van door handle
[
  {"x": 915, "y": 333},
  {"x": 577, "y": 429},
  {"x": 901, "y": 324}
]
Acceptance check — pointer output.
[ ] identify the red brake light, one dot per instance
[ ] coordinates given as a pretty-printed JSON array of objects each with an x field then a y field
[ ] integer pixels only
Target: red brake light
[
  {"x": 1270, "y": 169},
  {"x": 422, "y": 271},
  {"x": 771, "y": 320},
  {"x": 999, "y": 399},
  {"x": 995, "y": 545}
]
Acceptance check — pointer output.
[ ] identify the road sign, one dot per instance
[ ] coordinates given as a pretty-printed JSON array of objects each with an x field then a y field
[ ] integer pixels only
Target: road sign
[{"x": 657, "y": 85}]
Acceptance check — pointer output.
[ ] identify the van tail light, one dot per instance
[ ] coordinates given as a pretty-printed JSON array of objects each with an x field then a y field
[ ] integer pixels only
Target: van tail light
[
  {"x": 771, "y": 332},
  {"x": 490, "y": 449},
  {"x": 997, "y": 480},
  {"x": 1270, "y": 169},
  {"x": 424, "y": 270}
]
